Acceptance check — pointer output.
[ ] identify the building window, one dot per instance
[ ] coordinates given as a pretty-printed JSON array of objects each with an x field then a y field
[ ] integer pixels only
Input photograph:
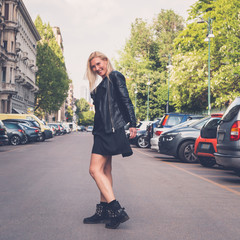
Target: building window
[
  {"x": 11, "y": 72},
  {"x": 4, "y": 74},
  {"x": 12, "y": 45},
  {"x": 6, "y": 11},
  {"x": 3, "y": 106},
  {"x": 5, "y": 45}
]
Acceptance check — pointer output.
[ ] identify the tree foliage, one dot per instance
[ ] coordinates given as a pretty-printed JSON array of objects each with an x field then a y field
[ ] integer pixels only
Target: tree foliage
[
  {"x": 51, "y": 78},
  {"x": 85, "y": 116},
  {"x": 191, "y": 54},
  {"x": 145, "y": 57},
  {"x": 82, "y": 106}
]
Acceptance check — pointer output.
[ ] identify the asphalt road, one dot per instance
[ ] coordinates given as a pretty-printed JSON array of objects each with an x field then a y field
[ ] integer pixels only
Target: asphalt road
[{"x": 46, "y": 191}]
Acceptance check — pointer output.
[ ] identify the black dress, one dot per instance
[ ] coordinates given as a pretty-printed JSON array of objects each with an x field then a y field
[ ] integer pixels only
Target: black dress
[{"x": 108, "y": 144}]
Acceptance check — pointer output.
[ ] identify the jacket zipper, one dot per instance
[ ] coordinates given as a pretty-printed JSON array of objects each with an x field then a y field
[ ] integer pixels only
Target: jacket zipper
[{"x": 110, "y": 108}]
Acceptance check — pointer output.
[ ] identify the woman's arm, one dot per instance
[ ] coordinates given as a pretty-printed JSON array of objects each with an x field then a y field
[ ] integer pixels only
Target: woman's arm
[{"x": 121, "y": 88}]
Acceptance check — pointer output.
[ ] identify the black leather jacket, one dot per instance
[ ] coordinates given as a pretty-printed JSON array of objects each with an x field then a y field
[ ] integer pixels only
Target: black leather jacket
[{"x": 115, "y": 106}]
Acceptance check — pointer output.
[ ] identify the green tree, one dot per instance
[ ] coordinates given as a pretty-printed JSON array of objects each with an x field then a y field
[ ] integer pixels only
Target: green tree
[
  {"x": 83, "y": 112},
  {"x": 145, "y": 57},
  {"x": 82, "y": 106},
  {"x": 87, "y": 118},
  {"x": 190, "y": 86},
  {"x": 51, "y": 78}
]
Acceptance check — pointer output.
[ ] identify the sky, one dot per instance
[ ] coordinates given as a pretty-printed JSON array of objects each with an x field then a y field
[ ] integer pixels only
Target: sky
[{"x": 90, "y": 25}]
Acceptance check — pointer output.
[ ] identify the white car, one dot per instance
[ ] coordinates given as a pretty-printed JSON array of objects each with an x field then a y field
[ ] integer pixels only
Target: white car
[
  {"x": 156, "y": 134},
  {"x": 67, "y": 127},
  {"x": 89, "y": 128}
]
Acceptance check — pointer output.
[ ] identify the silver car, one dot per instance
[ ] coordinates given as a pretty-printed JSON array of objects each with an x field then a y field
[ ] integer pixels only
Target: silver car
[{"x": 228, "y": 138}]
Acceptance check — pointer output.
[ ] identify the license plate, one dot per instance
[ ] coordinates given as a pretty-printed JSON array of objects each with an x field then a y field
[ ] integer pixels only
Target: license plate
[
  {"x": 205, "y": 146},
  {"x": 220, "y": 136}
]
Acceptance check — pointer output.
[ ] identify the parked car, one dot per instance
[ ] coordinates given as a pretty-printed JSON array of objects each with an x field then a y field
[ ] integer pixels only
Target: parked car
[
  {"x": 81, "y": 128},
  {"x": 31, "y": 123},
  {"x": 16, "y": 133},
  {"x": 53, "y": 129},
  {"x": 3, "y": 134},
  {"x": 89, "y": 129},
  {"x": 228, "y": 138},
  {"x": 32, "y": 133},
  {"x": 60, "y": 130},
  {"x": 168, "y": 121},
  {"x": 179, "y": 142},
  {"x": 66, "y": 127},
  {"x": 145, "y": 139},
  {"x": 46, "y": 132},
  {"x": 206, "y": 144},
  {"x": 140, "y": 139}
]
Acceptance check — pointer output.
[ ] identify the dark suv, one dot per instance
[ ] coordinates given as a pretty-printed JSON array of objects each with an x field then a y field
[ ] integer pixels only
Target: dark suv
[{"x": 228, "y": 138}]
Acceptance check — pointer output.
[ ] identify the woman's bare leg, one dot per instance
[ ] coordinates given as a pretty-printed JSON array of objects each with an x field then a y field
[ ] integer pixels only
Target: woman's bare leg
[
  {"x": 108, "y": 173},
  {"x": 100, "y": 170}
]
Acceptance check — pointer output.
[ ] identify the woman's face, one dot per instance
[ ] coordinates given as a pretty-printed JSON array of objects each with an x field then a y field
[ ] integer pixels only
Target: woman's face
[{"x": 99, "y": 66}]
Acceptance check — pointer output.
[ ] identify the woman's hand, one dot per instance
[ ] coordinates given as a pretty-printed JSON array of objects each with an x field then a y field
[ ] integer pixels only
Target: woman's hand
[{"x": 133, "y": 132}]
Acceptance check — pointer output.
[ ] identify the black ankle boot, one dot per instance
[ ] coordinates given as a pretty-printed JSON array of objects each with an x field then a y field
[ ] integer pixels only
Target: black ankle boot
[
  {"x": 116, "y": 215},
  {"x": 101, "y": 215}
]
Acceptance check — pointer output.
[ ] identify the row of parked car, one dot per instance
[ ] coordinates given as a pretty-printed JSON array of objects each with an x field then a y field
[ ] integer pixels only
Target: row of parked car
[
  {"x": 209, "y": 140},
  {"x": 18, "y": 129}
]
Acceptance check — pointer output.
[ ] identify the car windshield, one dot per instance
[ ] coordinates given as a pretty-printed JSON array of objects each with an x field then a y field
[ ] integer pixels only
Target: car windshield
[
  {"x": 11, "y": 125},
  {"x": 199, "y": 122},
  {"x": 232, "y": 110},
  {"x": 174, "y": 120},
  {"x": 186, "y": 123}
]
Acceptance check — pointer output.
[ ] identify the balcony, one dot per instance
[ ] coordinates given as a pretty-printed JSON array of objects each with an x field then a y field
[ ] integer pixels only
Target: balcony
[
  {"x": 28, "y": 83},
  {"x": 7, "y": 88}
]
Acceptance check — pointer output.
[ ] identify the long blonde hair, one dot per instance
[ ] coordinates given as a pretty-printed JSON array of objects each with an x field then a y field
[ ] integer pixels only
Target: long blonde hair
[{"x": 92, "y": 76}]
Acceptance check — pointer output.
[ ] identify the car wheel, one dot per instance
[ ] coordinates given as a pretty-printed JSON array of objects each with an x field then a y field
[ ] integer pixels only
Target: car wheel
[
  {"x": 186, "y": 152},
  {"x": 142, "y": 142},
  {"x": 207, "y": 161},
  {"x": 42, "y": 138},
  {"x": 25, "y": 140},
  {"x": 15, "y": 140}
]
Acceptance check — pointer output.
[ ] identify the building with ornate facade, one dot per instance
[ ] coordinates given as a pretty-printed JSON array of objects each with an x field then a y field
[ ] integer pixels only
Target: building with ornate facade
[{"x": 18, "y": 50}]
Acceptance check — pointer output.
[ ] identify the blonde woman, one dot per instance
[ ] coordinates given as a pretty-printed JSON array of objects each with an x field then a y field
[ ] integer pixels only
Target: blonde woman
[{"x": 113, "y": 109}]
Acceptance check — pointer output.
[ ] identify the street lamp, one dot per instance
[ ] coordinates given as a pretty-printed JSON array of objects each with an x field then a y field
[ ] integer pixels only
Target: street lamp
[
  {"x": 148, "y": 84},
  {"x": 136, "y": 91},
  {"x": 169, "y": 66},
  {"x": 208, "y": 39}
]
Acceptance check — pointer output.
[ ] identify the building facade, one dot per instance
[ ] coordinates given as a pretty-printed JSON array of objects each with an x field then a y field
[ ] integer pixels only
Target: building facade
[{"x": 18, "y": 40}]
